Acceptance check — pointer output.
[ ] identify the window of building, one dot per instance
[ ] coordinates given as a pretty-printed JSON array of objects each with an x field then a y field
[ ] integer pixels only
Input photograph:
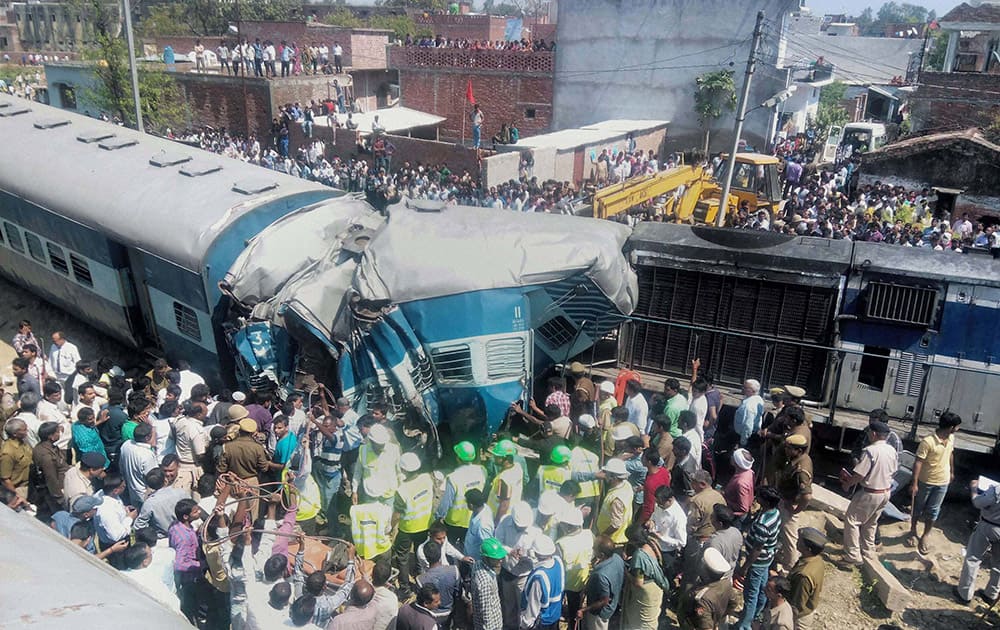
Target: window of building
[
  {"x": 81, "y": 270},
  {"x": 187, "y": 321},
  {"x": 58, "y": 258},
  {"x": 530, "y": 113},
  {"x": 67, "y": 95},
  {"x": 13, "y": 237},
  {"x": 35, "y": 247},
  {"x": 3, "y": 42},
  {"x": 873, "y": 368}
]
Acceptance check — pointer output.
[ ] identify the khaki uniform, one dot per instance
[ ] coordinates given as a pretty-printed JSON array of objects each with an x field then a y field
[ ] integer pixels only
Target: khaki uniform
[
  {"x": 245, "y": 458},
  {"x": 878, "y": 464},
  {"x": 807, "y": 583},
  {"x": 15, "y": 464},
  {"x": 793, "y": 481},
  {"x": 706, "y": 607},
  {"x": 700, "y": 512}
]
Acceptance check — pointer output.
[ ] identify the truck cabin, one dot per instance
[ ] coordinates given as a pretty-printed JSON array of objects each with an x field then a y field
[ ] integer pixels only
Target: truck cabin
[
  {"x": 755, "y": 180},
  {"x": 863, "y": 137}
]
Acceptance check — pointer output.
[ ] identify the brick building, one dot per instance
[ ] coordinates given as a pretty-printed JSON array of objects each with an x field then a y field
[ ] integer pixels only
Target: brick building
[
  {"x": 480, "y": 26},
  {"x": 509, "y": 86},
  {"x": 47, "y": 26}
]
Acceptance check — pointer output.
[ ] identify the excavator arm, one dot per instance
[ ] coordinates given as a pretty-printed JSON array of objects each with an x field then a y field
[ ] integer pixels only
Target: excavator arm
[{"x": 621, "y": 197}]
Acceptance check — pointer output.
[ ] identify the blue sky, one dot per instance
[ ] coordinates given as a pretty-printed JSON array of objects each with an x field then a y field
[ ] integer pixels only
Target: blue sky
[{"x": 853, "y": 7}]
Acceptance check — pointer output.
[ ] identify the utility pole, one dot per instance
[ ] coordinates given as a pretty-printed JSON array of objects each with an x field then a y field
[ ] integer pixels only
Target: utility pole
[
  {"x": 132, "y": 68},
  {"x": 727, "y": 184}
]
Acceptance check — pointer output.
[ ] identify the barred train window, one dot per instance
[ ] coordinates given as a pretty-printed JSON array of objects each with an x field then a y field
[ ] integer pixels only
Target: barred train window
[
  {"x": 187, "y": 321},
  {"x": 13, "y": 237},
  {"x": 81, "y": 270},
  {"x": 58, "y": 258},
  {"x": 35, "y": 247}
]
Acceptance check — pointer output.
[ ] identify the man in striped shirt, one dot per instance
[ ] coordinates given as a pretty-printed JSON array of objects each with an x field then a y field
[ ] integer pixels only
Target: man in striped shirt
[{"x": 761, "y": 543}]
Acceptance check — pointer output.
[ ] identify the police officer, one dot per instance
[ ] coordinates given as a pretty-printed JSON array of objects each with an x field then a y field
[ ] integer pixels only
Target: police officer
[
  {"x": 984, "y": 536},
  {"x": 873, "y": 473},
  {"x": 806, "y": 577},
  {"x": 453, "y": 508},
  {"x": 616, "y": 510},
  {"x": 411, "y": 513},
  {"x": 795, "y": 487}
]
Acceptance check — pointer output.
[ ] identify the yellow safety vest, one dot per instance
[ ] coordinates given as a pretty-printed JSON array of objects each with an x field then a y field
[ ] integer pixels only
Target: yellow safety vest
[
  {"x": 463, "y": 479},
  {"x": 418, "y": 495},
  {"x": 514, "y": 478},
  {"x": 552, "y": 477},
  {"x": 583, "y": 461},
  {"x": 369, "y": 525},
  {"x": 384, "y": 465},
  {"x": 577, "y": 550},
  {"x": 623, "y": 492},
  {"x": 310, "y": 501}
]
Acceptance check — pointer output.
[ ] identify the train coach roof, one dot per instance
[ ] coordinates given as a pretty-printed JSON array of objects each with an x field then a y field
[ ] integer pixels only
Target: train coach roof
[
  {"x": 163, "y": 197},
  {"x": 740, "y": 248},
  {"x": 925, "y": 263}
]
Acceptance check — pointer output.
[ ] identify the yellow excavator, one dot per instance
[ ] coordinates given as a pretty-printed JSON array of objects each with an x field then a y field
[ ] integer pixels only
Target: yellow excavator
[{"x": 691, "y": 195}]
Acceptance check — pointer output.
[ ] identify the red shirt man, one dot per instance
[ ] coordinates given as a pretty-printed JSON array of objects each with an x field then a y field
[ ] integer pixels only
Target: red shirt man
[{"x": 656, "y": 476}]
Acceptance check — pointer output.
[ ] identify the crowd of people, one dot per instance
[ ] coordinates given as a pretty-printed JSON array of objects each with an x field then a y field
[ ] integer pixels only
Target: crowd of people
[{"x": 264, "y": 58}]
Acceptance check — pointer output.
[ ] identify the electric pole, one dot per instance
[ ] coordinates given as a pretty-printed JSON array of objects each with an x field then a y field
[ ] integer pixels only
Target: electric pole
[
  {"x": 741, "y": 112},
  {"x": 132, "y": 68}
]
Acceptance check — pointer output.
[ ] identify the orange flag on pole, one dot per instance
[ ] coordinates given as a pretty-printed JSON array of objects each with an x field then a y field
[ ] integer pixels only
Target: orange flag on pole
[{"x": 469, "y": 96}]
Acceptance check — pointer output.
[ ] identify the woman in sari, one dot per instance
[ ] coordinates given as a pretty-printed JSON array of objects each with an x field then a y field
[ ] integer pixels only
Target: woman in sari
[{"x": 644, "y": 582}]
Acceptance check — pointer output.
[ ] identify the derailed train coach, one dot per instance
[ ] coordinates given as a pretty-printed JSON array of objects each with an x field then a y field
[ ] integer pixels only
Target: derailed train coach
[
  {"x": 858, "y": 325},
  {"x": 444, "y": 311}
]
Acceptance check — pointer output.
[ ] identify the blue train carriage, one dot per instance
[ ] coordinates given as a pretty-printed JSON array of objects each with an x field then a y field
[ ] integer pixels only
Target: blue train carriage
[
  {"x": 748, "y": 304},
  {"x": 923, "y": 329},
  {"x": 129, "y": 232},
  {"x": 447, "y": 311}
]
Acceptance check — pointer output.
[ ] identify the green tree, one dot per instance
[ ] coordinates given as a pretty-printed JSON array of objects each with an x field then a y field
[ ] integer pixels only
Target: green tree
[
  {"x": 425, "y": 5},
  {"x": 715, "y": 94},
  {"x": 937, "y": 48},
  {"x": 343, "y": 17},
  {"x": 162, "y": 102},
  {"x": 831, "y": 112},
  {"x": 211, "y": 18}
]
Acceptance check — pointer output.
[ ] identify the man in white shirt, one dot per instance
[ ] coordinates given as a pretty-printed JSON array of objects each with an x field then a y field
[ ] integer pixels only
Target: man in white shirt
[
  {"x": 638, "y": 408},
  {"x": 29, "y": 406},
  {"x": 699, "y": 405},
  {"x": 63, "y": 356},
  {"x": 137, "y": 459},
  {"x": 439, "y": 534},
  {"x": 52, "y": 408},
  {"x": 338, "y": 58},
  {"x": 669, "y": 526},
  {"x": 37, "y": 366},
  {"x": 152, "y": 568},
  {"x": 188, "y": 379},
  {"x": 113, "y": 520}
]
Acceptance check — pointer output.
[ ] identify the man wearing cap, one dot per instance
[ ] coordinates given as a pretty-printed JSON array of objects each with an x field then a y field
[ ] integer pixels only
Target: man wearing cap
[
  {"x": 378, "y": 458},
  {"x": 873, "y": 474},
  {"x": 584, "y": 391},
  {"x": 541, "y": 600},
  {"x": 508, "y": 485},
  {"x": 616, "y": 511},
  {"x": 411, "y": 513},
  {"x": 576, "y": 549},
  {"x": 453, "y": 508},
  {"x": 795, "y": 486},
  {"x": 244, "y": 457},
  {"x": 78, "y": 481},
  {"x": 83, "y": 509},
  {"x": 607, "y": 402},
  {"x": 517, "y": 534},
  {"x": 584, "y": 465},
  {"x": 739, "y": 489},
  {"x": 707, "y": 605},
  {"x": 619, "y": 431},
  {"x": 551, "y": 476},
  {"x": 483, "y": 589},
  {"x": 807, "y": 577}
]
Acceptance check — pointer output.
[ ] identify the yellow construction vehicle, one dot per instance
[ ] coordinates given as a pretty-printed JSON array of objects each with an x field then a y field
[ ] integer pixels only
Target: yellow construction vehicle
[{"x": 691, "y": 195}]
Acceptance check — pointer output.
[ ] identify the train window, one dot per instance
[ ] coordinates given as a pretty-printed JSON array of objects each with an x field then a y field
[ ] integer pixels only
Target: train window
[
  {"x": 557, "y": 332},
  {"x": 58, "y": 258},
  {"x": 187, "y": 321},
  {"x": 453, "y": 363},
  {"x": 873, "y": 368},
  {"x": 13, "y": 237},
  {"x": 81, "y": 270},
  {"x": 35, "y": 247}
]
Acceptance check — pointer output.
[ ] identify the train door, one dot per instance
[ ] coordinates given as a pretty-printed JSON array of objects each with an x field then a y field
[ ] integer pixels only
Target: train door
[
  {"x": 139, "y": 328},
  {"x": 867, "y": 377},
  {"x": 907, "y": 377},
  {"x": 136, "y": 271}
]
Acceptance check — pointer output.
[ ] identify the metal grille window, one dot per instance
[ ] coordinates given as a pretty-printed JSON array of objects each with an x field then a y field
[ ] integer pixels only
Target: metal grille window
[
  {"x": 453, "y": 363},
  {"x": 912, "y": 306},
  {"x": 557, "y": 332},
  {"x": 81, "y": 270},
  {"x": 58, "y": 258},
  {"x": 505, "y": 358},
  {"x": 187, "y": 321},
  {"x": 35, "y": 247},
  {"x": 13, "y": 237}
]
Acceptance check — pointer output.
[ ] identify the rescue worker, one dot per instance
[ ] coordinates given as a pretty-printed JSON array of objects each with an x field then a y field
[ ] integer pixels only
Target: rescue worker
[
  {"x": 541, "y": 600},
  {"x": 607, "y": 402},
  {"x": 983, "y": 538},
  {"x": 584, "y": 394},
  {"x": 807, "y": 576},
  {"x": 708, "y": 604},
  {"x": 584, "y": 465},
  {"x": 244, "y": 456},
  {"x": 453, "y": 509},
  {"x": 551, "y": 476},
  {"x": 550, "y": 506},
  {"x": 616, "y": 510},
  {"x": 371, "y": 529},
  {"x": 411, "y": 513},
  {"x": 576, "y": 548},
  {"x": 508, "y": 485},
  {"x": 377, "y": 457},
  {"x": 795, "y": 487},
  {"x": 517, "y": 534}
]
